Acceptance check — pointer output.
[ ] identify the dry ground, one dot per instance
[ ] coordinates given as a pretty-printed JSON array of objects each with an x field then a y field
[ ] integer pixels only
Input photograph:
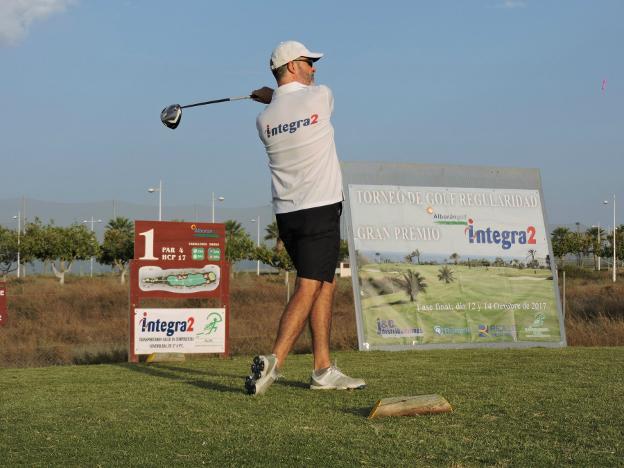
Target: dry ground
[{"x": 86, "y": 321}]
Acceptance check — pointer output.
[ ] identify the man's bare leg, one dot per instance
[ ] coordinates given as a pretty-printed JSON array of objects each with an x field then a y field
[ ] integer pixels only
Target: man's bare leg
[
  {"x": 320, "y": 324},
  {"x": 295, "y": 316}
]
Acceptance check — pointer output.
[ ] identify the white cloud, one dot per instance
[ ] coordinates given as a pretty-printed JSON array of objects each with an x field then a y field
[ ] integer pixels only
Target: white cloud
[
  {"x": 16, "y": 16},
  {"x": 512, "y": 4}
]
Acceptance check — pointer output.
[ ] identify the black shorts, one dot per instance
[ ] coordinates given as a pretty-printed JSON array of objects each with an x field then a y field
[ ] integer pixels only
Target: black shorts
[{"x": 312, "y": 239}]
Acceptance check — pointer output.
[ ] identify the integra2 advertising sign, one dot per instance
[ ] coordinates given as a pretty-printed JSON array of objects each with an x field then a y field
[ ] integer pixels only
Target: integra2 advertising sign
[
  {"x": 179, "y": 331},
  {"x": 174, "y": 260},
  {"x": 452, "y": 266}
]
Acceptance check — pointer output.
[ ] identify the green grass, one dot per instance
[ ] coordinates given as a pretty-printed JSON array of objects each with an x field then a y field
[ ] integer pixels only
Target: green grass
[
  {"x": 536, "y": 407},
  {"x": 478, "y": 292}
]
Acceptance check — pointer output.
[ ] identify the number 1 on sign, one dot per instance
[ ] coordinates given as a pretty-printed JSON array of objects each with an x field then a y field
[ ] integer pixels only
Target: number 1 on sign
[{"x": 149, "y": 245}]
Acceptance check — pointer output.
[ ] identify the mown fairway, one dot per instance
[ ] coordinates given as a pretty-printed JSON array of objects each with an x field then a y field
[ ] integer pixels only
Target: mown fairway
[{"x": 534, "y": 407}]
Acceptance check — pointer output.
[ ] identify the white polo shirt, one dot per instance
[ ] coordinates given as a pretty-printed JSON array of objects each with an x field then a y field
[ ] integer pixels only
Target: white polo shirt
[{"x": 299, "y": 140}]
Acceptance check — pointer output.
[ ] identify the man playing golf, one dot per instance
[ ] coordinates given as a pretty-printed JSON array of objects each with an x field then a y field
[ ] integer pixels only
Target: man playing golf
[{"x": 307, "y": 198}]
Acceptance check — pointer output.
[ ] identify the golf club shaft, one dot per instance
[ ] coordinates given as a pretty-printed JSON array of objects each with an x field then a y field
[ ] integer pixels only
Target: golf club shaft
[{"x": 216, "y": 101}]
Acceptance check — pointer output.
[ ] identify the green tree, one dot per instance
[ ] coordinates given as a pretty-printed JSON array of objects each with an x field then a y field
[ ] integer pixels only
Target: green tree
[
  {"x": 275, "y": 258},
  {"x": 238, "y": 244},
  {"x": 343, "y": 251},
  {"x": 60, "y": 244},
  {"x": 233, "y": 228},
  {"x": 8, "y": 250},
  {"x": 561, "y": 241},
  {"x": 499, "y": 262},
  {"x": 272, "y": 233},
  {"x": 409, "y": 258},
  {"x": 533, "y": 263},
  {"x": 412, "y": 283},
  {"x": 596, "y": 238},
  {"x": 117, "y": 249},
  {"x": 33, "y": 243},
  {"x": 455, "y": 258},
  {"x": 579, "y": 245},
  {"x": 446, "y": 274}
]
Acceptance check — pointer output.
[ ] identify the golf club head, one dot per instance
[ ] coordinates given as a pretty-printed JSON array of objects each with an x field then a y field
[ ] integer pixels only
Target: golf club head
[{"x": 171, "y": 116}]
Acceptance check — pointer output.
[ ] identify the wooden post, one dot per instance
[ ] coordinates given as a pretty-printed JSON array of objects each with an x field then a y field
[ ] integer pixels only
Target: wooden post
[{"x": 410, "y": 406}]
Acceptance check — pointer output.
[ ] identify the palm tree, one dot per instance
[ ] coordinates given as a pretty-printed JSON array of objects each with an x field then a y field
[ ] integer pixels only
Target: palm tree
[
  {"x": 410, "y": 256},
  {"x": 412, "y": 283},
  {"x": 117, "y": 249},
  {"x": 446, "y": 274},
  {"x": 454, "y": 257},
  {"x": 121, "y": 224},
  {"x": 272, "y": 233},
  {"x": 238, "y": 244},
  {"x": 233, "y": 229}
]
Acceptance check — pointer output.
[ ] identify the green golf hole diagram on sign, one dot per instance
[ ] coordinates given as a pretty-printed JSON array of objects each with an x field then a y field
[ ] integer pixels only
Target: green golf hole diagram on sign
[{"x": 179, "y": 280}]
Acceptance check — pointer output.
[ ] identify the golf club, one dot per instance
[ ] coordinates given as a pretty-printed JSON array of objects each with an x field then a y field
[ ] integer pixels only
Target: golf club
[{"x": 171, "y": 115}]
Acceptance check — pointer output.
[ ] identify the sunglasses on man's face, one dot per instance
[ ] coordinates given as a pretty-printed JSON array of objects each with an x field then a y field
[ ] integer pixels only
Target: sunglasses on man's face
[{"x": 309, "y": 61}]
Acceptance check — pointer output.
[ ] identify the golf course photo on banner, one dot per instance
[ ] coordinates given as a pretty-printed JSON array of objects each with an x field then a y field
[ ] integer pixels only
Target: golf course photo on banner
[{"x": 451, "y": 266}]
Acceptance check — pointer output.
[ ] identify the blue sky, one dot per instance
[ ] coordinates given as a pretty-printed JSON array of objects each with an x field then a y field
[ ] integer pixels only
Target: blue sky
[{"x": 492, "y": 82}]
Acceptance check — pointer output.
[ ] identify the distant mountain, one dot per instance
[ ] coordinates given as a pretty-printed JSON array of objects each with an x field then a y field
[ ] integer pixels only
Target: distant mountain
[{"x": 64, "y": 214}]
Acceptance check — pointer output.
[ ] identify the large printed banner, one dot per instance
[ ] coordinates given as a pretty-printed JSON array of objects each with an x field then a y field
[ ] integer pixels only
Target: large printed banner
[
  {"x": 179, "y": 331},
  {"x": 441, "y": 265}
]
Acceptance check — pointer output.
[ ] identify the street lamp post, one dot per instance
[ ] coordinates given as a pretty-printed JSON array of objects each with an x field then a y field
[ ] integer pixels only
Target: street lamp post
[
  {"x": 599, "y": 247},
  {"x": 18, "y": 217},
  {"x": 213, "y": 205},
  {"x": 614, "y": 242},
  {"x": 257, "y": 221},
  {"x": 599, "y": 244},
  {"x": 159, "y": 190},
  {"x": 606, "y": 202},
  {"x": 93, "y": 221}
]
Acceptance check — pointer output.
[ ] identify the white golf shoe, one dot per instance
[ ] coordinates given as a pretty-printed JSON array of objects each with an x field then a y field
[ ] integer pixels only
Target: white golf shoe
[
  {"x": 263, "y": 374},
  {"x": 333, "y": 379}
]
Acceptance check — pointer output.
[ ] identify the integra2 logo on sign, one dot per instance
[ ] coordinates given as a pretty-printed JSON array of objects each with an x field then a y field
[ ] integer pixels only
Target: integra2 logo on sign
[
  {"x": 506, "y": 239},
  {"x": 169, "y": 327},
  {"x": 291, "y": 127}
]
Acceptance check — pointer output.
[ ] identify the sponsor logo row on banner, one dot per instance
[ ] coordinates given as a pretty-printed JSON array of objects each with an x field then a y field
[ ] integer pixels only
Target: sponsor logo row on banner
[{"x": 388, "y": 328}]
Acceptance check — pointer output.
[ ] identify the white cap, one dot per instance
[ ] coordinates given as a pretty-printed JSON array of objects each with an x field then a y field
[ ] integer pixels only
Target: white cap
[{"x": 290, "y": 50}]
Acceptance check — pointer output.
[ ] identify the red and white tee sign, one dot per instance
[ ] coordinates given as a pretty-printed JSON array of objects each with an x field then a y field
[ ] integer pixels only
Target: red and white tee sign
[
  {"x": 4, "y": 310},
  {"x": 178, "y": 260}
]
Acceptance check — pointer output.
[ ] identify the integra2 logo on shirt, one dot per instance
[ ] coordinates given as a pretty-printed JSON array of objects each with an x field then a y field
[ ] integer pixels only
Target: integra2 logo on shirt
[{"x": 291, "y": 127}]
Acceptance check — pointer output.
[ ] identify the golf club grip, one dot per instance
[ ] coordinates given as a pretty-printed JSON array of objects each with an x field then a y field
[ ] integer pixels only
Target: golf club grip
[{"x": 216, "y": 101}]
